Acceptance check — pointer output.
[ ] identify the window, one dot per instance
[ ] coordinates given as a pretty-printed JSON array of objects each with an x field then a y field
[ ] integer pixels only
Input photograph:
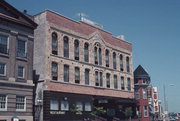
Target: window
[
  {"x": 97, "y": 54},
  {"x": 20, "y": 103},
  {"x": 54, "y": 71},
  {"x": 21, "y": 72},
  {"x": 137, "y": 94},
  {"x": 3, "y": 44},
  {"x": 2, "y": 69},
  {"x": 87, "y": 76},
  {"x": 145, "y": 111},
  {"x": 127, "y": 64},
  {"x": 21, "y": 48},
  {"x": 54, "y": 104},
  {"x": 107, "y": 58},
  {"x": 121, "y": 63},
  {"x": 3, "y": 102},
  {"x": 66, "y": 73},
  {"x": 129, "y": 84},
  {"x": 144, "y": 93},
  {"x": 122, "y": 83},
  {"x": 64, "y": 105},
  {"x": 76, "y": 50},
  {"x": 101, "y": 78},
  {"x": 115, "y": 82},
  {"x": 114, "y": 60},
  {"x": 108, "y": 80},
  {"x": 54, "y": 43},
  {"x": 77, "y": 75},
  {"x": 96, "y": 78},
  {"x": 86, "y": 52},
  {"x": 79, "y": 105},
  {"x": 66, "y": 47},
  {"x": 87, "y": 106}
]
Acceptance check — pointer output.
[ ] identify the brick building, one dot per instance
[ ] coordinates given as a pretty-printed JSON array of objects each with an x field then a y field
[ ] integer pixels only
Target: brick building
[
  {"x": 80, "y": 65},
  {"x": 141, "y": 83},
  {"x": 16, "y": 60}
]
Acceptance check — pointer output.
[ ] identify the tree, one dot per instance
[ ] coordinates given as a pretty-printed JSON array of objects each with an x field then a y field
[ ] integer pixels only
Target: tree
[
  {"x": 98, "y": 111},
  {"x": 75, "y": 110},
  {"x": 128, "y": 112}
]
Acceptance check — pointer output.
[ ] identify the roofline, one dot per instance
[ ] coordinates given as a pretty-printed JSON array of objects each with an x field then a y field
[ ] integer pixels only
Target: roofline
[{"x": 16, "y": 10}]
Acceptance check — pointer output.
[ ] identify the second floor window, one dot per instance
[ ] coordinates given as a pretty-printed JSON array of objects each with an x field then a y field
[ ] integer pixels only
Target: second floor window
[
  {"x": 129, "y": 84},
  {"x": 114, "y": 60},
  {"x": 101, "y": 78},
  {"x": 96, "y": 78},
  {"x": 108, "y": 80},
  {"x": 107, "y": 58},
  {"x": 2, "y": 69},
  {"x": 66, "y": 73},
  {"x": 3, "y": 44},
  {"x": 87, "y": 76},
  {"x": 54, "y": 71},
  {"x": 121, "y": 63},
  {"x": 86, "y": 52},
  {"x": 115, "y": 82},
  {"x": 21, "y": 48},
  {"x": 122, "y": 83},
  {"x": 66, "y": 47},
  {"x": 3, "y": 102},
  {"x": 20, "y": 103},
  {"x": 21, "y": 72},
  {"x": 54, "y": 43},
  {"x": 76, "y": 50},
  {"x": 77, "y": 75}
]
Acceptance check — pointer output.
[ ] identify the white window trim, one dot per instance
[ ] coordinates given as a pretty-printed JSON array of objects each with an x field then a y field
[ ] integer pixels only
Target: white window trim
[
  {"x": 23, "y": 73},
  {"x": 25, "y": 47},
  {"x": 4, "y": 69},
  {"x": 24, "y": 105},
  {"x": 7, "y": 42},
  {"x": 5, "y": 109}
]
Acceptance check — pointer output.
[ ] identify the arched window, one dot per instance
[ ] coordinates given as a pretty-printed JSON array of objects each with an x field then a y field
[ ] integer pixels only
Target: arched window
[
  {"x": 76, "y": 50},
  {"x": 77, "y": 75},
  {"x": 127, "y": 64},
  {"x": 97, "y": 54},
  {"x": 114, "y": 60},
  {"x": 54, "y": 43},
  {"x": 121, "y": 63},
  {"x": 107, "y": 58},
  {"x": 66, "y": 47},
  {"x": 86, "y": 52}
]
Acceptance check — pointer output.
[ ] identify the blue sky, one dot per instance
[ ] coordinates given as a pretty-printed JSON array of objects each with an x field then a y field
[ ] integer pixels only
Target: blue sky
[{"x": 152, "y": 26}]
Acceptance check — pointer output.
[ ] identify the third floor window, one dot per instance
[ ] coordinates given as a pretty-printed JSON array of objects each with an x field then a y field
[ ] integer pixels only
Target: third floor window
[
  {"x": 76, "y": 50},
  {"x": 121, "y": 63},
  {"x": 21, "y": 48},
  {"x": 127, "y": 64},
  {"x": 3, "y": 44},
  {"x": 54, "y": 43},
  {"x": 107, "y": 58},
  {"x": 86, "y": 52},
  {"x": 66, "y": 47},
  {"x": 114, "y": 60},
  {"x": 97, "y": 54}
]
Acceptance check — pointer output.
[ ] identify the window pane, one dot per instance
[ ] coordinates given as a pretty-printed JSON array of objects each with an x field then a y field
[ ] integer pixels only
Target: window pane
[
  {"x": 64, "y": 105},
  {"x": 66, "y": 47},
  {"x": 87, "y": 106},
  {"x": 76, "y": 50},
  {"x": 122, "y": 83},
  {"x": 101, "y": 79},
  {"x": 54, "y": 104},
  {"x": 66, "y": 73},
  {"x": 20, "y": 102},
  {"x": 127, "y": 64},
  {"x": 107, "y": 58},
  {"x": 77, "y": 75},
  {"x": 87, "y": 76},
  {"x": 21, "y": 48},
  {"x": 3, "y": 101},
  {"x": 121, "y": 63},
  {"x": 95, "y": 55},
  {"x": 108, "y": 80},
  {"x": 115, "y": 82},
  {"x": 54, "y": 44},
  {"x": 96, "y": 79},
  {"x": 3, "y": 44},
  {"x": 21, "y": 71},
  {"x": 86, "y": 52},
  {"x": 54, "y": 71},
  {"x": 79, "y": 106},
  {"x": 2, "y": 68},
  {"x": 144, "y": 94},
  {"x": 100, "y": 57},
  {"x": 114, "y": 60},
  {"x": 129, "y": 84}
]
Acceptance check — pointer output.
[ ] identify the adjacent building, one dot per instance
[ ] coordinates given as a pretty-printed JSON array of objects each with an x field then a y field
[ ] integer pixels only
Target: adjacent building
[
  {"x": 141, "y": 83},
  {"x": 81, "y": 66},
  {"x": 16, "y": 60}
]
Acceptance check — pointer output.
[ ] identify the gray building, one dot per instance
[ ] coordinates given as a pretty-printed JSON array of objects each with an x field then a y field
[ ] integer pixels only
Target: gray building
[{"x": 16, "y": 60}]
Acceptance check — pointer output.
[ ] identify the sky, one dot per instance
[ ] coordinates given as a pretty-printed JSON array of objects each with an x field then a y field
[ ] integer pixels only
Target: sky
[{"x": 152, "y": 26}]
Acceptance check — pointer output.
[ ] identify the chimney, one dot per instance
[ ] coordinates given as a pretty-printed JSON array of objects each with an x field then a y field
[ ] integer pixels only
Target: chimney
[{"x": 122, "y": 37}]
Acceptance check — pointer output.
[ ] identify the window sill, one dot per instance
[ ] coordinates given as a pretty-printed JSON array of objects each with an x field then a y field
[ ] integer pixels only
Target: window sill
[
  {"x": 4, "y": 55},
  {"x": 22, "y": 59},
  {"x": 3, "y": 109},
  {"x": 20, "y": 110}
]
